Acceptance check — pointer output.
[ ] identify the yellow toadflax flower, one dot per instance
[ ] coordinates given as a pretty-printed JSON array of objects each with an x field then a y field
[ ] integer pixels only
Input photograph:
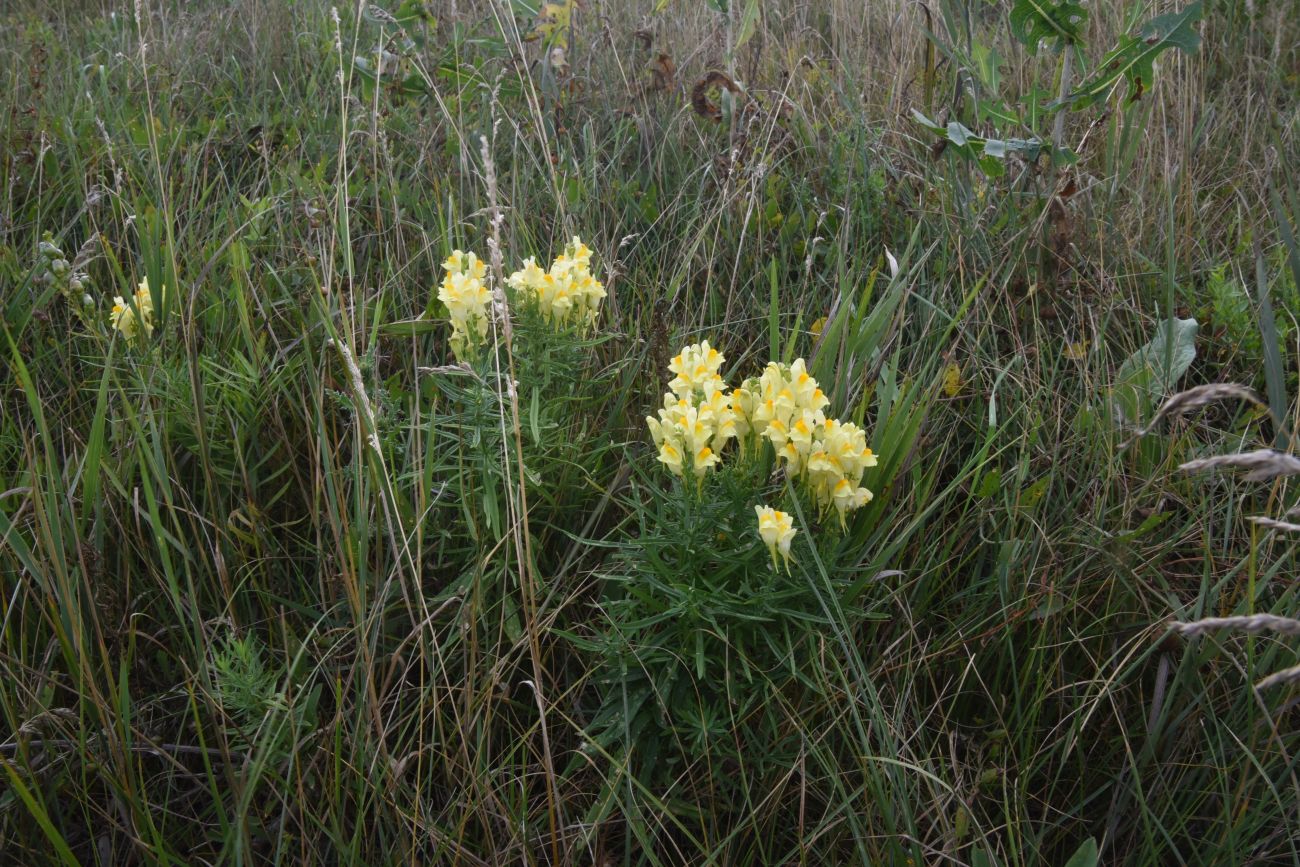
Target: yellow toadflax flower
[
  {"x": 568, "y": 292},
  {"x": 788, "y": 412},
  {"x": 847, "y": 498},
  {"x": 689, "y": 437},
  {"x": 784, "y": 406},
  {"x": 134, "y": 318},
  {"x": 697, "y": 418},
  {"x": 777, "y": 531},
  {"x": 807, "y": 394},
  {"x": 465, "y": 263},
  {"x": 782, "y": 395},
  {"x": 826, "y": 455},
  {"x": 123, "y": 318},
  {"x": 696, "y": 368},
  {"x": 835, "y": 465},
  {"x": 467, "y": 298},
  {"x": 743, "y": 399}
]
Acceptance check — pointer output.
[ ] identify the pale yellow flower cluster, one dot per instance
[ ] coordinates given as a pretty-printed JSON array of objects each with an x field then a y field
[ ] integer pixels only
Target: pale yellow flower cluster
[
  {"x": 695, "y": 369},
  {"x": 134, "y": 319},
  {"x": 835, "y": 467},
  {"x": 690, "y": 436},
  {"x": 465, "y": 293},
  {"x": 697, "y": 418},
  {"x": 785, "y": 406},
  {"x": 568, "y": 292},
  {"x": 776, "y": 529}
]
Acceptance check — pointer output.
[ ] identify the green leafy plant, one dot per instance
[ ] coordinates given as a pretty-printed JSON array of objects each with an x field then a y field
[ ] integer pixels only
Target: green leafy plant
[
  {"x": 1132, "y": 61},
  {"x": 717, "y": 610},
  {"x": 252, "y": 695},
  {"x": 697, "y": 632},
  {"x": 1036, "y": 23},
  {"x": 989, "y": 153}
]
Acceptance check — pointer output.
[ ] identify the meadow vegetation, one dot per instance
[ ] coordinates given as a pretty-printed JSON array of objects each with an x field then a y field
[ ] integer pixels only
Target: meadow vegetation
[{"x": 815, "y": 506}]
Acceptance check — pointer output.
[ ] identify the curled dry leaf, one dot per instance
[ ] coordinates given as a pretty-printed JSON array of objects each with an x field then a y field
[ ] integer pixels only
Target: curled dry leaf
[
  {"x": 700, "y": 94},
  {"x": 1261, "y": 464},
  {"x": 663, "y": 71},
  {"x": 1078, "y": 351},
  {"x": 952, "y": 380}
]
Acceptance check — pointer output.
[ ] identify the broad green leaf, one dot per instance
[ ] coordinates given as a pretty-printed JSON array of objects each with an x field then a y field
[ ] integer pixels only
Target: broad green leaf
[
  {"x": 554, "y": 21},
  {"x": 992, "y": 166},
  {"x": 414, "y": 11},
  {"x": 988, "y": 67},
  {"x": 1035, "y": 21},
  {"x": 366, "y": 68},
  {"x": 748, "y": 24},
  {"x": 924, "y": 121},
  {"x": 1085, "y": 856},
  {"x": 996, "y": 110},
  {"x": 1000, "y": 148},
  {"x": 414, "y": 84},
  {"x": 1149, "y": 374},
  {"x": 1133, "y": 60},
  {"x": 989, "y": 484},
  {"x": 1033, "y": 495},
  {"x": 960, "y": 135}
]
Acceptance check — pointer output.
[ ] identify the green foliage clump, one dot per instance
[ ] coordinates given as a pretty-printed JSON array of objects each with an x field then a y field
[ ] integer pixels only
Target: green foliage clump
[{"x": 1233, "y": 314}]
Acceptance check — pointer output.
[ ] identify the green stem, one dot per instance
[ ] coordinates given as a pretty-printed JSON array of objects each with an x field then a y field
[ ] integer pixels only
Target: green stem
[{"x": 1067, "y": 71}]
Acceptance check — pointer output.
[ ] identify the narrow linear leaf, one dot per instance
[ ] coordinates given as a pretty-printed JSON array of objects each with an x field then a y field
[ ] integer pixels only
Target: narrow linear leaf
[{"x": 1274, "y": 373}]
